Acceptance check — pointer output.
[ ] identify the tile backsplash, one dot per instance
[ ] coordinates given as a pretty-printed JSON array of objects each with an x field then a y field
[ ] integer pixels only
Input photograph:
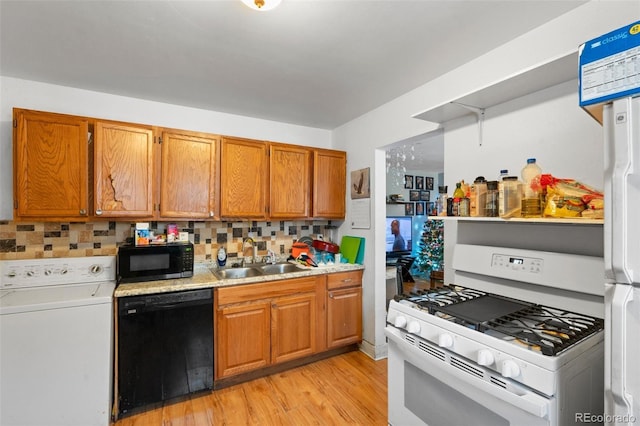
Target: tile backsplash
[{"x": 24, "y": 240}]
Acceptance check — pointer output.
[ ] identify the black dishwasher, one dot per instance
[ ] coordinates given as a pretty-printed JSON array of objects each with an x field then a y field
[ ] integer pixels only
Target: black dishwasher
[{"x": 165, "y": 348}]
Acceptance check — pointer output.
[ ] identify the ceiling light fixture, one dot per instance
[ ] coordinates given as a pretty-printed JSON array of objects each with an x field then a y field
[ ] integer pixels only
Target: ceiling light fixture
[{"x": 262, "y": 5}]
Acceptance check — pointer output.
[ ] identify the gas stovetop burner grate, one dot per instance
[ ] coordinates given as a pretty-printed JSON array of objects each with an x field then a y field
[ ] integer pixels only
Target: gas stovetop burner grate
[
  {"x": 540, "y": 328},
  {"x": 434, "y": 299},
  {"x": 546, "y": 329}
]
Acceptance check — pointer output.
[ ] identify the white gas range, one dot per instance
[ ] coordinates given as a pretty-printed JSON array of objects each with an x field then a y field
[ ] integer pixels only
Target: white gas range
[{"x": 516, "y": 341}]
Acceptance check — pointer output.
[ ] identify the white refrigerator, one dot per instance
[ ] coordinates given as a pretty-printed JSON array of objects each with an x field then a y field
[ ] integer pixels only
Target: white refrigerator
[
  {"x": 621, "y": 121},
  {"x": 609, "y": 90}
]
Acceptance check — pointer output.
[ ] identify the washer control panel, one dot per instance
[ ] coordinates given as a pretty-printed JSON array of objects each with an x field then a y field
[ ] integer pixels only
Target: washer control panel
[{"x": 56, "y": 271}]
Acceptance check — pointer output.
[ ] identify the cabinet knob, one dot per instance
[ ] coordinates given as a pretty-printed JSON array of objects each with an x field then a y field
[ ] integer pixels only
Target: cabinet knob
[
  {"x": 98, "y": 212},
  {"x": 210, "y": 214},
  {"x": 347, "y": 280},
  {"x": 83, "y": 211},
  {"x": 330, "y": 295}
]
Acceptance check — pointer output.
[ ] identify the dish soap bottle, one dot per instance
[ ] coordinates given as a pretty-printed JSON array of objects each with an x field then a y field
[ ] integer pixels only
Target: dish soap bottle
[{"x": 222, "y": 256}]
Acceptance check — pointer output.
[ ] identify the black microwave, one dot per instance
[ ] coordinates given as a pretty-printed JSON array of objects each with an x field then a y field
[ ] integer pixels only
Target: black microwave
[{"x": 154, "y": 262}]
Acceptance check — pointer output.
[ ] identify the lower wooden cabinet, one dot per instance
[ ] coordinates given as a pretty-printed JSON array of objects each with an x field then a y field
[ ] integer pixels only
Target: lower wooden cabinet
[
  {"x": 243, "y": 338},
  {"x": 264, "y": 324},
  {"x": 293, "y": 327},
  {"x": 344, "y": 309},
  {"x": 258, "y": 325}
]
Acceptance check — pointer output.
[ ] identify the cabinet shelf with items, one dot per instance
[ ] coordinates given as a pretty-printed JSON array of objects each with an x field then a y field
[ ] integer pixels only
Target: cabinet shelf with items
[{"x": 544, "y": 220}]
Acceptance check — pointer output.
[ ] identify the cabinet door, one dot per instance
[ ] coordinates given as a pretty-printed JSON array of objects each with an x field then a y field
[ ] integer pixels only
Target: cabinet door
[
  {"x": 293, "y": 324},
  {"x": 123, "y": 171},
  {"x": 344, "y": 316},
  {"x": 187, "y": 184},
  {"x": 290, "y": 182},
  {"x": 243, "y": 178},
  {"x": 50, "y": 166},
  {"x": 329, "y": 183},
  {"x": 242, "y": 338}
]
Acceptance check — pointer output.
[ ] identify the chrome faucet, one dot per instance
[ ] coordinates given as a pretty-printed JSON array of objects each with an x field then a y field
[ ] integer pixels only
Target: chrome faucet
[
  {"x": 252, "y": 245},
  {"x": 272, "y": 256}
]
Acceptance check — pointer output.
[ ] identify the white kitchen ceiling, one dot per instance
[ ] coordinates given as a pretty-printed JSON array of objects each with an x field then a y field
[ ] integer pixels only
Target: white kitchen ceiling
[{"x": 317, "y": 63}]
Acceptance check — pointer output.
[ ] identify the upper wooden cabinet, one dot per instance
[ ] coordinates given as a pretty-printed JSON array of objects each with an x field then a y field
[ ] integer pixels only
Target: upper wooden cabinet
[
  {"x": 329, "y": 183},
  {"x": 50, "y": 166},
  {"x": 188, "y": 178},
  {"x": 123, "y": 170},
  {"x": 244, "y": 181},
  {"x": 290, "y": 181},
  {"x": 70, "y": 168}
]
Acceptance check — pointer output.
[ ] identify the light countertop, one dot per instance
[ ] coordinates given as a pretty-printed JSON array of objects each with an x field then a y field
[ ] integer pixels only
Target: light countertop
[{"x": 203, "y": 277}]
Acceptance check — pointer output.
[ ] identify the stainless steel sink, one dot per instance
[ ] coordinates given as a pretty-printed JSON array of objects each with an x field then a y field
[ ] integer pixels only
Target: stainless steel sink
[
  {"x": 255, "y": 270},
  {"x": 279, "y": 268},
  {"x": 237, "y": 273}
]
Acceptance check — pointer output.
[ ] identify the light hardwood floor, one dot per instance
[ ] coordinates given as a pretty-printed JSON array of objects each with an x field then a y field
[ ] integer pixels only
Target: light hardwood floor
[{"x": 347, "y": 389}]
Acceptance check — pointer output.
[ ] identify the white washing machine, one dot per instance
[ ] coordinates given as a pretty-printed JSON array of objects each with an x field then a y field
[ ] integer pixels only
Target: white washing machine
[{"x": 56, "y": 334}]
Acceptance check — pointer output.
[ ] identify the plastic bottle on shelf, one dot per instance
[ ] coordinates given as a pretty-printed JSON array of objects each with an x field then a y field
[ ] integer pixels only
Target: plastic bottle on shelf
[
  {"x": 510, "y": 197},
  {"x": 503, "y": 174},
  {"x": 458, "y": 195},
  {"x": 441, "y": 203},
  {"x": 478, "y": 197},
  {"x": 531, "y": 189}
]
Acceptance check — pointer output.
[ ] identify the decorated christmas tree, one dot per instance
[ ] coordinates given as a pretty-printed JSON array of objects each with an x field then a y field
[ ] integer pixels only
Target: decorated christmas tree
[{"x": 431, "y": 247}]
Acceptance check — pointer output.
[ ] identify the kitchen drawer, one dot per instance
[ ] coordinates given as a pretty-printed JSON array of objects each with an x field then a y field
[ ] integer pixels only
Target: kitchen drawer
[
  {"x": 269, "y": 290},
  {"x": 344, "y": 279}
]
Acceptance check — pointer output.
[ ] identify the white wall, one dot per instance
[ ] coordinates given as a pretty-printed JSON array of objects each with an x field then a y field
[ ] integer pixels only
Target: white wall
[
  {"x": 47, "y": 97},
  {"x": 363, "y": 137},
  {"x": 547, "y": 125}
]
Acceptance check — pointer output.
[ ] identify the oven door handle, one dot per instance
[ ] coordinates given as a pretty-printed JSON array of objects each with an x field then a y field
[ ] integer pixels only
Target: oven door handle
[{"x": 528, "y": 401}]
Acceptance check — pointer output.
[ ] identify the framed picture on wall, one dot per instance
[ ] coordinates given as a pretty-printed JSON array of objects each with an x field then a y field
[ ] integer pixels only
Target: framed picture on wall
[
  {"x": 432, "y": 209},
  {"x": 420, "y": 208},
  {"x": 414, "y": 195},
  {"x": 429, "y": 183},
  {"x": 408, "y": 209},
  {"x": 408, "y": 182},
  {"x": 425, "y": 195},
  {"x": 419, "y": 182}
]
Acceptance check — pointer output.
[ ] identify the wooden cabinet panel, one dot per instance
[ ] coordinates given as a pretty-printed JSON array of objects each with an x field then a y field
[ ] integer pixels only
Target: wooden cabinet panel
[
  {"x": 281, "y": 316},
  {"x": 344, "y": 316},
  {"x": 329, "y": 183},
  {"x": 124, "y": 170},
  {"x": 50, "y": 166},
  {"x": 242, "y": 338},
  {"x": 344, "y": 279},
  {"x": 293, "y": 327},
  {"x": 243, "y": 178},
  {"x": 188, "y": 175},
  {"x": 262, "y": 291},
  {"x": 290, "y": 182}
]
